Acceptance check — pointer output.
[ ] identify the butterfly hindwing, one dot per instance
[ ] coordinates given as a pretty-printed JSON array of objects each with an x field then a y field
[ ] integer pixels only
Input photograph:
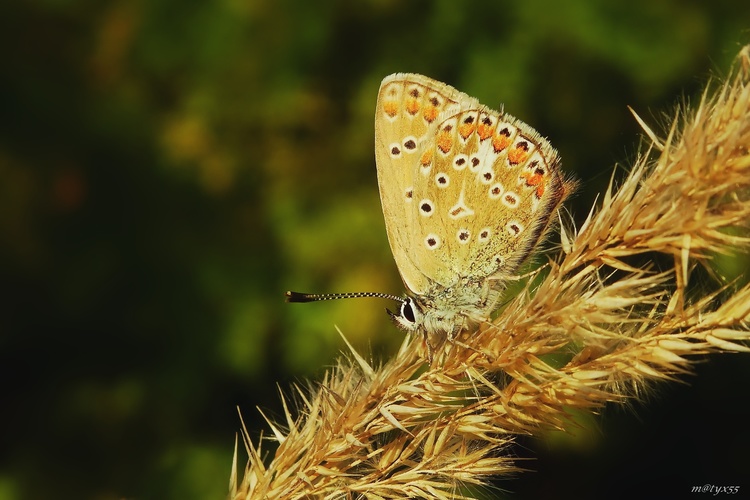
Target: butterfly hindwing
[{"x": 492, "y": 187}]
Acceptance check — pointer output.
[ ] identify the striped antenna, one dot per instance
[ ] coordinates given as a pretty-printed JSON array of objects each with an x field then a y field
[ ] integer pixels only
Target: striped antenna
[{"x": 313, "y": 297}]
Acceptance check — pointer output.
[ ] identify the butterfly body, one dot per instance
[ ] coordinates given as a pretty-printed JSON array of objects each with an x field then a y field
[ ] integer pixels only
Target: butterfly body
[{"x": 467, "y": 193}]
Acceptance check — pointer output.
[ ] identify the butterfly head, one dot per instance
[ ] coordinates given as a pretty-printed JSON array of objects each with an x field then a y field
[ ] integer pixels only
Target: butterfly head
[
  {"x": 444, "y": 312},
  {"x": 415, "y": 316}
]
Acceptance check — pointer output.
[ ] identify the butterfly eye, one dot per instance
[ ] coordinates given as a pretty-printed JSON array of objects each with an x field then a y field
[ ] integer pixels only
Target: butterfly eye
[{"x": 407, "y": 312}]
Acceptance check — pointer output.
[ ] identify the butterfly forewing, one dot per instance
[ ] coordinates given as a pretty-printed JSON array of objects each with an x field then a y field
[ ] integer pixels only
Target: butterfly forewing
[{"x": 409, "y": 109}]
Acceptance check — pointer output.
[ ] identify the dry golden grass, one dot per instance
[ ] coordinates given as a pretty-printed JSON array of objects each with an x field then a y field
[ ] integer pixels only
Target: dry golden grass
[{"x": 409, "y": 430}]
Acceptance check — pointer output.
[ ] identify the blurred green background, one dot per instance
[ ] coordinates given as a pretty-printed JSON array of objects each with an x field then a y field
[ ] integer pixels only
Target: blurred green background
[{"x": 169, "y": 168}]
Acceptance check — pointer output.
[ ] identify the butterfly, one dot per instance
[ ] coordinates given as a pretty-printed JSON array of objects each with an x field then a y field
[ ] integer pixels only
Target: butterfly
[{"x": 467, "y": 194}]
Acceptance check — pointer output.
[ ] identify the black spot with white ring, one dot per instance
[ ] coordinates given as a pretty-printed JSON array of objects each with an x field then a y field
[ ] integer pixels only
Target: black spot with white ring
[
  {"x": 496, "y": 191},
  {"x": 432, "y": 241},
  {"x": 514, "y": 228},
  {"x": 410, "y": 144},
  {"x": 474, "y": 163},
  {"x": 460, "y": 161},
  {"x": 442, "y": 180},
  {"x": 426, "y": 208},
  {"x": 511, "y": 200}
]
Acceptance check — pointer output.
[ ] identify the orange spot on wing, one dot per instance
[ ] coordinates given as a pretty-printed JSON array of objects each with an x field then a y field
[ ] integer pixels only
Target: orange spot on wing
[
  {"x": 426, "y": 158},
  {"x": 430, "y": 113},
  {"x": 466, "y": 129},
  {"x": 444, "y": 141},
  {"x": 484, "y": 131},
  {"x": 412, "y": 106},
  {"x": 390, "y": 108},
  {"x": 518, "y": 154},
  {"x": 532, "y": 180},
  {"x": 500, "y": 142}
]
